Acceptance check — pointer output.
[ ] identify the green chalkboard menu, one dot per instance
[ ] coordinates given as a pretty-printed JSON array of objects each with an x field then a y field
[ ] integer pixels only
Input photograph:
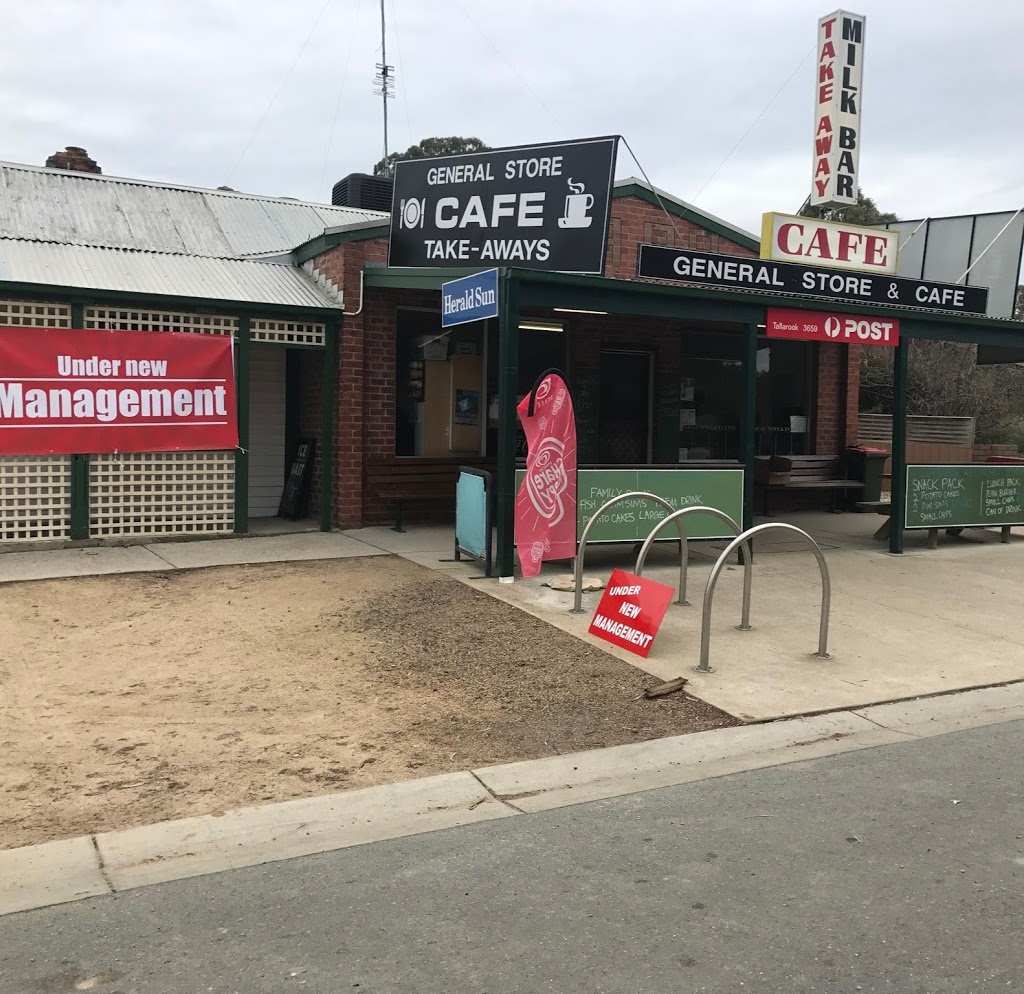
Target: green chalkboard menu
[
  {"x": 633, "y": 519},
  {"x": 987, "y": 494},
  {"x": 585, "y": 391}
]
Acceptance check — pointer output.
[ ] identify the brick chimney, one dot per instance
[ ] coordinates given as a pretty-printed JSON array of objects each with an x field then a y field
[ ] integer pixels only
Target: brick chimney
[{"x": 75, "y": 159}]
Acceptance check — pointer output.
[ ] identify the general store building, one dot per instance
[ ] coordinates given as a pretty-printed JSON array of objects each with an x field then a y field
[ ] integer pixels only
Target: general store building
[{"x": 335, "y": 346}]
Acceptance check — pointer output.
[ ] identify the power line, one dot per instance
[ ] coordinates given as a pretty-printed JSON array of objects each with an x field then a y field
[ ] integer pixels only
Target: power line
[
  {"x": 273, "y": 100},
  {"x": 764, "y": 111},
  {"x": 341, "y": 90},
  {"x": 497, "y": 51}
]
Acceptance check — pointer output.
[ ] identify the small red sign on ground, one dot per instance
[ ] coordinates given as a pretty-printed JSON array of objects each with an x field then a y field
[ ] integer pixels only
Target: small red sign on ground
[{"x": 630, "y": 612}]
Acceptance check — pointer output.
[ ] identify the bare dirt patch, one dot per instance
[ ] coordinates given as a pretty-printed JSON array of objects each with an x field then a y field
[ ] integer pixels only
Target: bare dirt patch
[{"x": 133, "y": 699}]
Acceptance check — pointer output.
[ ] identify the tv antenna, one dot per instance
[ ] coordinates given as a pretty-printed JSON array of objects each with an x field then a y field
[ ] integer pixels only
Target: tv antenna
[{"x": 384, "y": 82}]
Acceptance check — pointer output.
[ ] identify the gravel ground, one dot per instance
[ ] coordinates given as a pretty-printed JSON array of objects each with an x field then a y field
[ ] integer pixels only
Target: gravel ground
[{"x": 127, "y": 700}]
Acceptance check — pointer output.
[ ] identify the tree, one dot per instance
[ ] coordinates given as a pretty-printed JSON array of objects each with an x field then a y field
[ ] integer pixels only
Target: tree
[
  {"x": 428, "y": 148},
  {"x": 865, "y": 211}
]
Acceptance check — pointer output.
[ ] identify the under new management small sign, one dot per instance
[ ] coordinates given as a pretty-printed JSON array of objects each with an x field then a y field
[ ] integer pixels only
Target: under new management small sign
[{"x": 472, "y": 298}]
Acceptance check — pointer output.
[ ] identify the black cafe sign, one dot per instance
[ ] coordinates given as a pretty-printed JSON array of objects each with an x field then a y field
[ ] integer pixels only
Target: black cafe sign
[
  {"x": 747, "y": 273},
  {"x": 535, "y": 207}
]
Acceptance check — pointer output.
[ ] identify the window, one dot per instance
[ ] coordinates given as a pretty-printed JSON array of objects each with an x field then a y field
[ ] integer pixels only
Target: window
[{"x": 439, "y": 379}]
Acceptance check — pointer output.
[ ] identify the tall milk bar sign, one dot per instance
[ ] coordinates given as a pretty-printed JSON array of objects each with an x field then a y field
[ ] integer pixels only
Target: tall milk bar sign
[
  {"x": 837, "y": 109},
  {"x": 67, "y": 391},
  {"x": 537, "y": 207}
]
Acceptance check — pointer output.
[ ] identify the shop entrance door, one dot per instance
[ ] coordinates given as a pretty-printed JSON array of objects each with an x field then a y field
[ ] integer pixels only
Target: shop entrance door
[{"x": 624, "y": 406}]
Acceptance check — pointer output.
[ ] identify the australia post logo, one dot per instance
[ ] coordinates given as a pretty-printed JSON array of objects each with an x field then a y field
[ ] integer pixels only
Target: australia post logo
[{"x": 846, "y": 329}]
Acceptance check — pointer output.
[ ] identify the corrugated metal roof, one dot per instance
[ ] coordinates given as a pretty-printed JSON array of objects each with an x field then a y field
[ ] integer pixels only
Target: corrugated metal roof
[
  {"x": 153, "y": 273},
  {"x": 55, "y": 205}
]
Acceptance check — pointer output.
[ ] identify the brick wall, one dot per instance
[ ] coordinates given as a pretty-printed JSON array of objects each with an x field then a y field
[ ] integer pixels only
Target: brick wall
[
  {"x": 838, "y": 397},
  {"x": 634, "y": 221}
]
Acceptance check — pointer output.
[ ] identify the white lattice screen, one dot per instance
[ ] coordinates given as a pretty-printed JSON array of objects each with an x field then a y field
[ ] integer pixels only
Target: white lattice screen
[
  {"x": 161, "y": 493},
  {"x": 22, "y": 313},
  {"x": 287, "y": 332},
  {"x": 130, "y": 319},
  {"x": 35, "y": 498}
]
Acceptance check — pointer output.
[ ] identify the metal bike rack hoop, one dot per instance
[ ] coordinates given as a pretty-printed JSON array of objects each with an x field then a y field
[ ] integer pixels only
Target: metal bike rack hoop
[
  {"x": 709, "y": 592},
  {"x": 577, "y": 606},
  {"x": 641, "y": 559}
]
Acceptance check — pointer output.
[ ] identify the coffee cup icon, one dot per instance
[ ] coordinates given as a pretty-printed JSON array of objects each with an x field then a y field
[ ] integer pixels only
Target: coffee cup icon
[{"x": 577, "y": 207}]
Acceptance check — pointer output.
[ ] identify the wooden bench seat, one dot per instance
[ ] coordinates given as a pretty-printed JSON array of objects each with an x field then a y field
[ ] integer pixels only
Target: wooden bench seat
[
  {"x": 399, "y": 481},
  {"x": 802, "y": 473}
]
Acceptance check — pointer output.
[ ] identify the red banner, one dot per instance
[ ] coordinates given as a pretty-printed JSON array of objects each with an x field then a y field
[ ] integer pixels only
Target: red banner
[
  {"x": 817, "y": 326},
  {"x": 630, "y": 612},
  {"x": 66, "y": 391},
  {"x": 546, "y": 502}
]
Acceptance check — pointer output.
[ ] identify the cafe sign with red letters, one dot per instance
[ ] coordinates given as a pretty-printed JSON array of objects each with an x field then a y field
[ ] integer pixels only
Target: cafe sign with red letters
[{"x": 811, "y": 242}]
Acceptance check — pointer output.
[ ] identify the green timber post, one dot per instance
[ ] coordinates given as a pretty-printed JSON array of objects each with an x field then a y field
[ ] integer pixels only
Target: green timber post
[
  {"x": 242, "y": 452},
  {"x": 898, "y": 508},
  {"x": 79, "y": 523},
  {"x": 508, "y": 381},
  {"x": 749, "y": 409},
  {"x": 327, "y": 397}
]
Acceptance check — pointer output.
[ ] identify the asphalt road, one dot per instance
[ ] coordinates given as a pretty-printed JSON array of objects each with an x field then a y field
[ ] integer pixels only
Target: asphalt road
[{"x": 898, "y": 869}]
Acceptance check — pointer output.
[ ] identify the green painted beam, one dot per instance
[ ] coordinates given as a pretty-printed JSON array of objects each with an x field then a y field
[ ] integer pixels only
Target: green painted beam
[
  {"x": 327, "y": 401},
  {"x": 325, "y": 242},
  {"x": 80, "y": 522},
  {"x": 899, "y": 446},
  {"x": 749, "y": 409},
  {"x": 508, "y": 376},
  {"x": 242, "y": 452}
]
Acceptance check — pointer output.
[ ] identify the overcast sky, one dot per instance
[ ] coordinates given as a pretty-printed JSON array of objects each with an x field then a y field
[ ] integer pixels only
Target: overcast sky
[{"x": 210, "y": 92}]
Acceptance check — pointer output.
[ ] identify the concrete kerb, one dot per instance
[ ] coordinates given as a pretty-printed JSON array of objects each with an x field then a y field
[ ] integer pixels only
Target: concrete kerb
[{"x": 90, "y": 866}]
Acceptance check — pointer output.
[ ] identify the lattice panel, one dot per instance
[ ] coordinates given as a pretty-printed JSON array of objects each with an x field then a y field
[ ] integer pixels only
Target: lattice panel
[
  {"x": 129, "y": 319},
  {"x": 161, "y": 493},
  {"x": 35, "y": 498},
  {"x": 23, "y": 313},
  {"x": 287, "y": 332}
]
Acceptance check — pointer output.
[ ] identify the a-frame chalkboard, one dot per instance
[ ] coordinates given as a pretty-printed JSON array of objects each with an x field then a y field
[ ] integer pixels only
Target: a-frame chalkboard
[{"x": 296, "y": 487}]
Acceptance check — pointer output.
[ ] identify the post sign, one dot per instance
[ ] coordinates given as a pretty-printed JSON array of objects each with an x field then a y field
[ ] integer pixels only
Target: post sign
[
  {"x": 837, "y": 109},
  {"x": 535, "y": 207},
  {"x": 630, "y": 612},
  {"x": 473, "y": 298},
  {"x": 974, "y": 496},
  {"x": 736, "y": 272},
  {"x": 835, "y": 244},
  {"x": 816, "y": 326},
  {"x": 67, "y": 391}
]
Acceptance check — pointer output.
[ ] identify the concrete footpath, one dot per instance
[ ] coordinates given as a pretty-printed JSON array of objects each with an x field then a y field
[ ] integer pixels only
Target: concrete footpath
[
  {"x": 91, "y": 866},
  {"x": 892, "y": 870},
  {"x": 159, "y": 557}
]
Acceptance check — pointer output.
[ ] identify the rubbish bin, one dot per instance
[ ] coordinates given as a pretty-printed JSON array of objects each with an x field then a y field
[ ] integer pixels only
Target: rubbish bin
[{"x": 867, "y": 464}]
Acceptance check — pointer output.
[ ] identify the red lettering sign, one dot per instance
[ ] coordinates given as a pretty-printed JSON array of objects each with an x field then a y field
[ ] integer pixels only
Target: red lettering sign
[
  {"x": 67, "y": 391},
  {"x": 630, "y": 612},
  {"x": 817, "y": 326}
]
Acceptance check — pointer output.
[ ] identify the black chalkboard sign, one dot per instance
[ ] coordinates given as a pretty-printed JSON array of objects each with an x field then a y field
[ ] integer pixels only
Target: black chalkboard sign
[{"x": 296, "y": 487}]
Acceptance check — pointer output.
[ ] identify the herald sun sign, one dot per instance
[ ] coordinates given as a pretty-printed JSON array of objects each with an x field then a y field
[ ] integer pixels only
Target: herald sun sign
[{"x": 837, "y": 109}]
